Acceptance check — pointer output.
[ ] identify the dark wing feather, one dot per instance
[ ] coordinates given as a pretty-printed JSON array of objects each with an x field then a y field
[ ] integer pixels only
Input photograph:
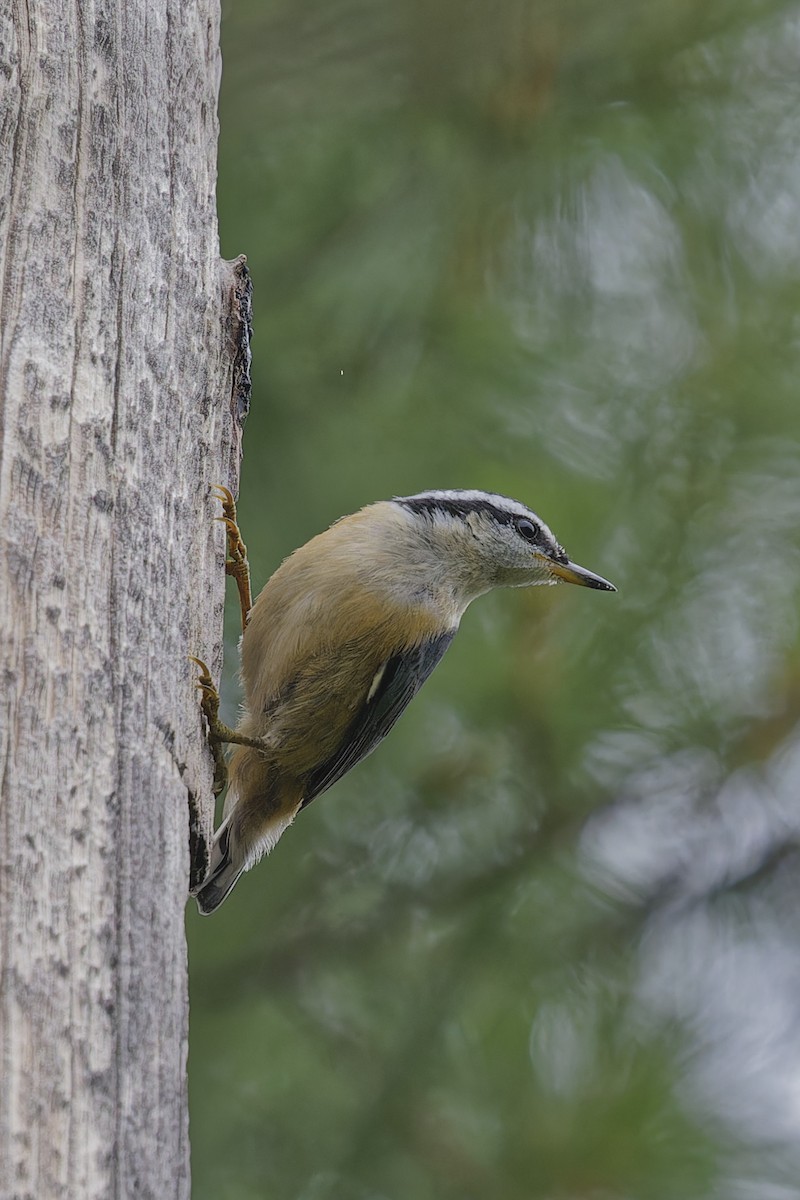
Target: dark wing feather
[{"x": 403, "y": 675}]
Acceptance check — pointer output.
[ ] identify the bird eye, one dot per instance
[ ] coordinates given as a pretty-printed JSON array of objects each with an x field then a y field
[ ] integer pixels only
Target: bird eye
[{"x": 528, "y": 530}]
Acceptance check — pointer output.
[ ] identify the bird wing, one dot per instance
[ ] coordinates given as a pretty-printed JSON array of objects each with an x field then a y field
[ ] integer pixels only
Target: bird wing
[{"x": 393, "y": 686}]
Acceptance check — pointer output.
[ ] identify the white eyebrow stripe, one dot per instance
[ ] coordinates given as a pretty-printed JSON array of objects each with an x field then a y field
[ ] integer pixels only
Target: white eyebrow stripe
[
  {"x": 481, "y": 500},
  {"x": 475, "y": 497}
]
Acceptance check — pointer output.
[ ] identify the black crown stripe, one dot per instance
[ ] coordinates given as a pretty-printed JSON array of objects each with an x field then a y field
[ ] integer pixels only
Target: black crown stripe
[
  {"x": 430, "y": 506},
  {"x": 454, "y": 506}
]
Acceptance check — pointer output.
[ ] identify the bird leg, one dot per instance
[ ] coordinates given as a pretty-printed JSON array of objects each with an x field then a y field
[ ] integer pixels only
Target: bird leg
[
  {"x": 236, "y": 563},
  {"x": 219, "y": 734}
]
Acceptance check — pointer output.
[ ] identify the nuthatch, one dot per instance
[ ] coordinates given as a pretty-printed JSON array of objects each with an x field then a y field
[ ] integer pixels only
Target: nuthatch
[{"x": 343, "y": 636}]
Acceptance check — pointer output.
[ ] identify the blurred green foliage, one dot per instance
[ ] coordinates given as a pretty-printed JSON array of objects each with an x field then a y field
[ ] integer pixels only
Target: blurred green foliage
[{"x": 543, "y": 944}]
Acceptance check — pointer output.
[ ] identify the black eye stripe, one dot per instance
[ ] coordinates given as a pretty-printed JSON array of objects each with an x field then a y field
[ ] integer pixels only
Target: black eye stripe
[
  {"x": 536, "y": 536},
  {"x": 462, "y": 506}
]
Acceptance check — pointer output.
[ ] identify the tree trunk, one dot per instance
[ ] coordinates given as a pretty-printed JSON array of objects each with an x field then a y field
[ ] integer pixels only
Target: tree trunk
[{"x": 123, "y": 382}]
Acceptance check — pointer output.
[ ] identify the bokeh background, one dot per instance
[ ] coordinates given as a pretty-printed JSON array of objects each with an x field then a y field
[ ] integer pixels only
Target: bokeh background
[{"x": 543, "y": 945}]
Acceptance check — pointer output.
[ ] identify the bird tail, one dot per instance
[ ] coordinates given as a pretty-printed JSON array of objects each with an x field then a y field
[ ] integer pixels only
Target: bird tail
[
  {"x": 259, "y": 806},
  {"x": 222, "y": 873}
]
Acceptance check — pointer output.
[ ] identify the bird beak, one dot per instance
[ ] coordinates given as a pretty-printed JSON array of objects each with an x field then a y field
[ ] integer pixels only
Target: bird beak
[{"x": 570, "y": 572}]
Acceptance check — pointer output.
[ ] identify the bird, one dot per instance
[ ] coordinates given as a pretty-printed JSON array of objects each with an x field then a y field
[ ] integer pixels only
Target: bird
[{"x": 342, "y": 637}]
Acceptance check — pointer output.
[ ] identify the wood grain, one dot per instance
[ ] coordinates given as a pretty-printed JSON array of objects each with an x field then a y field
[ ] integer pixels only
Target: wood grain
[{"x": 123, "y": 381}]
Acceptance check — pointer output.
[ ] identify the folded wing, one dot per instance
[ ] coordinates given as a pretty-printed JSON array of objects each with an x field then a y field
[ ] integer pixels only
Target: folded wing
[{"x": 393, "y": 686}]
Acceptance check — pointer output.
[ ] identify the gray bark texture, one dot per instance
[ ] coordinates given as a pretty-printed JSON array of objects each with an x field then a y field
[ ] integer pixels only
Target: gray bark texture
[{"x": 123, "y": 383}]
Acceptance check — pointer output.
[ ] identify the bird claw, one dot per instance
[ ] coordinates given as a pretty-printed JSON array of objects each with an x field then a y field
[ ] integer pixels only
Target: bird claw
[
  {"x": 225, "y": 495},
  {"x": 236, "y": 563},
  {"x": 205, "y": 683},
  {"x": 216, "y": 730}
]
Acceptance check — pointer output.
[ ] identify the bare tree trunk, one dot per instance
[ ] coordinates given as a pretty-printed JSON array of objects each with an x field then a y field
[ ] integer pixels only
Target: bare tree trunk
[{"x": 123, "y": 375}]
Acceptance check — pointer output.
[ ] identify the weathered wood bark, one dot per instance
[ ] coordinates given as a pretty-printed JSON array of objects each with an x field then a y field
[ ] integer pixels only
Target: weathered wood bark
[{"x": 121, "y": 380}]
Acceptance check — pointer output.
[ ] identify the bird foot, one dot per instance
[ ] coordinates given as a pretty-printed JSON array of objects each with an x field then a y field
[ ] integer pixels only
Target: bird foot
[
  {"x": 218, "y": 733},
  {"x": 236, "y": 563}
]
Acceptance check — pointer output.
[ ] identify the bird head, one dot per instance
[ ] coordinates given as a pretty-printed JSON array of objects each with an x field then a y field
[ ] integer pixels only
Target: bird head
[{"x": 486, "y": 541}]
